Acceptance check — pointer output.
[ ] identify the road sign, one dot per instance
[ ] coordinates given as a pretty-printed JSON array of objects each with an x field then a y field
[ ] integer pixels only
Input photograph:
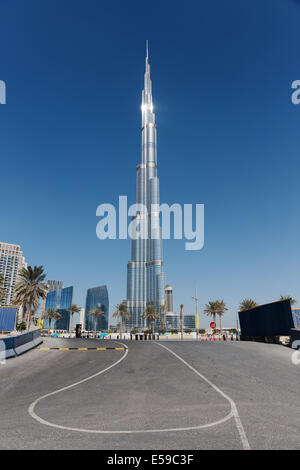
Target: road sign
[{"x": 213, "y": 325}]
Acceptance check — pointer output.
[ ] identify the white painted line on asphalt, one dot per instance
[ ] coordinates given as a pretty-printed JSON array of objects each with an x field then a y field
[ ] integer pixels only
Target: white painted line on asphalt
[
  {"x": 234, "y": 411},
  {"x": 31, "y": 411}
]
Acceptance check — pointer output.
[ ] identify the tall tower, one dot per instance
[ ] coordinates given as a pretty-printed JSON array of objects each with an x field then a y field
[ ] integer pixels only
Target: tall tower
[
  {"x": 145, "y": 277},
  {"x": 11, "y": 261},
  {"x": 169, "y": 298}
]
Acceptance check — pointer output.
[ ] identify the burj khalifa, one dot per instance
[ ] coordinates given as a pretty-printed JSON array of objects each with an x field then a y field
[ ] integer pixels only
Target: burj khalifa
[{"x": 145, "y": 276}]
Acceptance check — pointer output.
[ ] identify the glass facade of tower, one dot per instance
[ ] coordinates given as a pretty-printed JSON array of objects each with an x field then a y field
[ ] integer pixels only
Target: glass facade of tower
[
  {"x": 60, "y": 300},
  {"x": 97, "y": 297},
  {"x": 189, "y": 321},
  {"x": 145, "y": 276}
]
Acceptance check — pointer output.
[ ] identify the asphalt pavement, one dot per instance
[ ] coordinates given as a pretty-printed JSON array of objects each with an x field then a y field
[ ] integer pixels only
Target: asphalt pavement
[{"x": 153, "y": 395}]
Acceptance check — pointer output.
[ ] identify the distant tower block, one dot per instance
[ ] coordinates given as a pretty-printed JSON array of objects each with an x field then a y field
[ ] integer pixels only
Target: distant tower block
[
  {"x": 169, "y": 298},
  {"x": 11, "y": 262}
]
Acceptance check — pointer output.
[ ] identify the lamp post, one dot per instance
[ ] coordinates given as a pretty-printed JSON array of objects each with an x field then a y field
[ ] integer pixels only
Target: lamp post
[{"x": 196, "y": 299}]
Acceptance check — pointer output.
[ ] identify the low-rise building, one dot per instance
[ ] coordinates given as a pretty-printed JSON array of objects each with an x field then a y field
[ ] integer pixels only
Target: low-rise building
[{"x": 189, "y": 321}]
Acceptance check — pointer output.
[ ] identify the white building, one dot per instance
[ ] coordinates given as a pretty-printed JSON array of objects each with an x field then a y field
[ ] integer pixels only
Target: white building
[
  {"x": 82, "y": 318},
  {"x": 11, "y": 261}
]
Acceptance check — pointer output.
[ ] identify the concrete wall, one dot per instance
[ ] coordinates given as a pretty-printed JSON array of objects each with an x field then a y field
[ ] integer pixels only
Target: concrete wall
[{"x": 13, "y": 346}]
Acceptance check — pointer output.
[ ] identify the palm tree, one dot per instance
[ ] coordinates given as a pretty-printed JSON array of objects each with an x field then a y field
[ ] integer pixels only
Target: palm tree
[
  {"x": 221, "y": 309},
  {"x": 51, "y": 314},
  {"x": 288, "y": 297},
  {"x": 150, "y": 314},
  {"x": 2, "y": 290},
  {"x": 96, "y": 312},
  {"x": 247, "y": 304},
  {"x": 73, "y": 309},
  {"x": 211, "y": 309},
  {"x": 181, "y": 321},
  {"x": 121, "y": 312},
  {"x": 34, "y": 318},
  {"x": 163, "y": 309},
  {"x": 29, "y": 289}
]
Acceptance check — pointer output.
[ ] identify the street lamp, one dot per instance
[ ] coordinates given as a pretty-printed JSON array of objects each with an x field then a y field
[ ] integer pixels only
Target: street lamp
[{"x": 196, "y": 299}]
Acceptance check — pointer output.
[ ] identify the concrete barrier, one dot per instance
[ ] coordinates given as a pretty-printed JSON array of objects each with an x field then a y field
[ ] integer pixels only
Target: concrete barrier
[
  {"x": 16, "y": 345},
  {"x": 295, "y": 338}
]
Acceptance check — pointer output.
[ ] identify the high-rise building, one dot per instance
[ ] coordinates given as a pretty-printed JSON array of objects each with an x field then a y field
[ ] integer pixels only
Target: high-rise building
[
  {"x": 169, "y": 298},
  {"x": 11, "y": 261},
  {"x": 145, "y": 276},
  {"x": 97, "y": 297},
  {"x": 60, "y": 300},
  {"x": 53, "y": 285}
]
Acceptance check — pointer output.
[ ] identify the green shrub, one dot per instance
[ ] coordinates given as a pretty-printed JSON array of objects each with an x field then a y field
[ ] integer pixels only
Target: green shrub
[{"x": 21, "y": 326}]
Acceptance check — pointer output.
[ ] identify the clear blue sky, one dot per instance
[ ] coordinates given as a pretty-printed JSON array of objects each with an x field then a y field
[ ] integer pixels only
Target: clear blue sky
[{"x": 228, "y": 137}]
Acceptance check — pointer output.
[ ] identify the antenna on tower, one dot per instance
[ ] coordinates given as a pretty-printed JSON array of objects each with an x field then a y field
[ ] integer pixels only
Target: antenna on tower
[{"x": 147, "y": 49}]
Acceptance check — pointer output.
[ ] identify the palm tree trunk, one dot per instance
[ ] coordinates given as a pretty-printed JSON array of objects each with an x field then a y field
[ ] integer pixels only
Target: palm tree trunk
[
  {"x": 163, "y": 321},
  {"x": 221, "y": 323},
  {"x": 95, "y": 332},
  {"x": 71, "y": 322},
  {"x": 24, "y": 313},
  {"x": 28, "y": 319},
  {"x": 181, "y": 324},
  {"x": 49, "y": 326},
  {"x": 121, "y": 327}
]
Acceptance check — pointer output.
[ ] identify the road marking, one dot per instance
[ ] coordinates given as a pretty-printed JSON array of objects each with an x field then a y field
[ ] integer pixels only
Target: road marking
[
  {"x": 31, "y": 410},
  {"x": 80, "y": 349},
  {"x": 234, "y": 411}
]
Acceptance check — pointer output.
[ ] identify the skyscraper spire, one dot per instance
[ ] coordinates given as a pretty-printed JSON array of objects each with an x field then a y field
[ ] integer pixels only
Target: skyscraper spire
[
  {"x": 145, "y": 278},
  {"x": 147, "y": 105}
]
